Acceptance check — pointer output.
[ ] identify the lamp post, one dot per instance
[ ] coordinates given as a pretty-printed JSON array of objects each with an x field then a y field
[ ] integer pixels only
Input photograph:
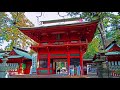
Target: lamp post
[
  {"x": 106, "y": 63},
  {"x": 102, "y": 64},
  {"x": 100, "y": 68}
]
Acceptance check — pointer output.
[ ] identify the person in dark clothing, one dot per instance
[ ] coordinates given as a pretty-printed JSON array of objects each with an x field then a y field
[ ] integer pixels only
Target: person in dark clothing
[{"x": 58, "y": 71}]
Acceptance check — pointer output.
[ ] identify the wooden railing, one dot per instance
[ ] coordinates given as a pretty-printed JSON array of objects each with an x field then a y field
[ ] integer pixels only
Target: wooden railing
[{"x": 74, "y": 42}]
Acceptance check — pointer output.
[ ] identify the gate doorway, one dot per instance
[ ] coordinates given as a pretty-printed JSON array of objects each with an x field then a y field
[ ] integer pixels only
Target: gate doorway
[{"x": 60, "y": 66}]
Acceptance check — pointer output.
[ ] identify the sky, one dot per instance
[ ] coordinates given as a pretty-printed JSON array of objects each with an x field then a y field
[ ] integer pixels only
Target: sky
[{"x": 32, "y": 16}]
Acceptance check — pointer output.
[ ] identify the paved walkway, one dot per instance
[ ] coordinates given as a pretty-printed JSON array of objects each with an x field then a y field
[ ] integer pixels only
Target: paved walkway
[
  {"x": 47, "y": 76},
  {"x": 57, "y": 76},
  {"x": 92, "y": 76}
]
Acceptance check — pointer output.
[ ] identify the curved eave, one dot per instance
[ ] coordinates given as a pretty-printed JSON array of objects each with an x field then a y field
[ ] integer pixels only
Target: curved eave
[
  {"x": 88, "y": 28},
  {"x": 3, "y": 52},
  {"x": 113, "y": 53},
  {"x": 110, "y": 47},
  {"x": 15, "y": 56},
  {"x": 69, "y": 24},
  {"x": 23, "y": 54}
]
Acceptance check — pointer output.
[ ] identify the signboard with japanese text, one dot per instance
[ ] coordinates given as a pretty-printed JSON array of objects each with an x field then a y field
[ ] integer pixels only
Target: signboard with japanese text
[{"x": 34, "y": 63}]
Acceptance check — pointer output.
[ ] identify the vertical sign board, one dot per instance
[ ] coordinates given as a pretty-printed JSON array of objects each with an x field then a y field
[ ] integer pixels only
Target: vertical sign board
[{"x": 34, "y": 64}]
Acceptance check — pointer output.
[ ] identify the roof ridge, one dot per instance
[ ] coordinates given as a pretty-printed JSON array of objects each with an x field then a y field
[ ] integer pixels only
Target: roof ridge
[
  {"x": 44, "y": 26},
  {"x": 113, "y": 42}
]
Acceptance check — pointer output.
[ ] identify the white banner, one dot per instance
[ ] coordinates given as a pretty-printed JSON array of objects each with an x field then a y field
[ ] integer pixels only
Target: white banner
[{"x": 34, "y": 63}]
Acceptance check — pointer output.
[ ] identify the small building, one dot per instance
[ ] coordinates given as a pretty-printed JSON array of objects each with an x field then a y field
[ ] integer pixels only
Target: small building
[
  {"x": 112, "y": 55},
  {"x": 19, "y": 60}
]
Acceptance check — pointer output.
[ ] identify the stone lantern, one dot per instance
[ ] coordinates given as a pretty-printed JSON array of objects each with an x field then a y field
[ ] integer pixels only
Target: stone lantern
[
  {"x": 99, "y": 61},
  {"x": 4, "y": 66}
]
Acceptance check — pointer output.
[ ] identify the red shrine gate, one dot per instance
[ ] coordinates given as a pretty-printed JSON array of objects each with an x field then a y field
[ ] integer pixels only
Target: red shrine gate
[{"x": 61, "y": 42}]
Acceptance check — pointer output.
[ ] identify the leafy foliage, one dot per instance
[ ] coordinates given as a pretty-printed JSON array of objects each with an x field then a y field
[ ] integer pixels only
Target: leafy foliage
[
  {"x": 109, "y": 19},
  {"x": 108, "y": 28},
  {"x": 118, "y": 71},
  {"x": 10, "y": 32},
  {"x": 93, "y": 48}
]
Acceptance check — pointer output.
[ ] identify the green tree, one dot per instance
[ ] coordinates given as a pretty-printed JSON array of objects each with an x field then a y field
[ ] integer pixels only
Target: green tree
[
  {"x": 10, "y": 32},
  {"x": 93, "y": 48},
  {"x": 106, "y": 19}
]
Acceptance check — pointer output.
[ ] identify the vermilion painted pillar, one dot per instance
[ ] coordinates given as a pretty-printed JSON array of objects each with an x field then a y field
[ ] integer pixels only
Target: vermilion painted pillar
[
  {"x": 20, "y": 69},
  {"x": 81, "y": 63},
  {"x": 48, "y": 63},
  {"x": 68, "y": 60}
]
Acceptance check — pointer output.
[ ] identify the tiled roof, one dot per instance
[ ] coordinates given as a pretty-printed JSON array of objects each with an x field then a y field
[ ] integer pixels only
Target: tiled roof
[
  {"x": 19, "y": 54},
  {"x": 113, "y": 53},
  {"x": 23, "y": 54}
]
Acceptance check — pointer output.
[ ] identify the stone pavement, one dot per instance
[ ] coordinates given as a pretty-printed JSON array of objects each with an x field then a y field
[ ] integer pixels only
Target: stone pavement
[
  {"x": 105, "y": 76},
  {"x": 47, "y": 76},
  {"x": 57, "y": 76},
  {"x": 92, "y": 76}
]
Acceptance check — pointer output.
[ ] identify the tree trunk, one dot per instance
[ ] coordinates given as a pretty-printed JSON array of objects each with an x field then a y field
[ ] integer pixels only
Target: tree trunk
[
  {"x": 103, "y": 39},
  {"x": 102, "y": 33}
]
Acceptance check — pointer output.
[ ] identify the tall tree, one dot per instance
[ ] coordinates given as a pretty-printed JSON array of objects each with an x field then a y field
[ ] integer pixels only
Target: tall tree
[
  {"x": 10, "y": 31},
  {"x": 106, "y": 20}
]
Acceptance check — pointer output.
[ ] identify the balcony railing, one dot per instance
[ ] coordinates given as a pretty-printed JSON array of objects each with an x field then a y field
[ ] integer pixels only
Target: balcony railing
[
  {"x": 62, "y": 43},
  {"x": 73, "y": 42}
]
